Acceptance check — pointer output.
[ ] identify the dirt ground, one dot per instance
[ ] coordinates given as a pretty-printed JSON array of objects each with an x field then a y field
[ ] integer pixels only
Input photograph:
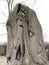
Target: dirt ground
[{"x": 3, "y": 60}]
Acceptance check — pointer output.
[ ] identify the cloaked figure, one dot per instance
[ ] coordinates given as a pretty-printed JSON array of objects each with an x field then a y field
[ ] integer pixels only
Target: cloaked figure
[{"x": 25, "y": 40}]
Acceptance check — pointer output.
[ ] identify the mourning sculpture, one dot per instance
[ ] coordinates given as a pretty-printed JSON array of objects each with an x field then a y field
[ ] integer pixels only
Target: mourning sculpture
[{"x": 25, "y": 39}]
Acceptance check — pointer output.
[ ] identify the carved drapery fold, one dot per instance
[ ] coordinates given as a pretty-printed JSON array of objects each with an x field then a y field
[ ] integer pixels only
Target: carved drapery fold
[{"x": 25, "y": 41}]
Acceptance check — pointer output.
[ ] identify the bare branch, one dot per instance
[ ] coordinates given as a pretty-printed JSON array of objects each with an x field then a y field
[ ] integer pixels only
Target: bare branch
[{"x": 10, "y": 2}]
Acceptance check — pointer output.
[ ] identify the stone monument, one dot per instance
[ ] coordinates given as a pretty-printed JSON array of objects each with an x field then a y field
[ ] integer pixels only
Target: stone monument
[{"x": 25, "y": 40}]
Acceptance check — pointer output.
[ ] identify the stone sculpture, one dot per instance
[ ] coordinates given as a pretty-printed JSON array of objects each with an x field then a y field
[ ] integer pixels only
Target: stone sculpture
[{"x": 25, "y": 40}]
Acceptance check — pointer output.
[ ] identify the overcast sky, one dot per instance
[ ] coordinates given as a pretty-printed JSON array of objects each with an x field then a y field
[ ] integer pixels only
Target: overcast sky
[{"x": 42, "y": 11}]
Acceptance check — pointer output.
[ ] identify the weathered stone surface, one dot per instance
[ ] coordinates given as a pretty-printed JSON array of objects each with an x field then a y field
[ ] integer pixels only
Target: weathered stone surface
[
  {"x": 47, "y": 49},
  {"x": 25, "y": 40}
]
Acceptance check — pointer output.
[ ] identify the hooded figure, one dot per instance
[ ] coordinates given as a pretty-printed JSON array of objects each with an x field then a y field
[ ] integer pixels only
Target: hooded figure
[{"x": 25, "y": 40}]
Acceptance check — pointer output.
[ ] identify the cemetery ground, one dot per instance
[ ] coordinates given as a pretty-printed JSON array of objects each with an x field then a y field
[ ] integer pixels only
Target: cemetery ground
[{"x": 3, "y": 60}]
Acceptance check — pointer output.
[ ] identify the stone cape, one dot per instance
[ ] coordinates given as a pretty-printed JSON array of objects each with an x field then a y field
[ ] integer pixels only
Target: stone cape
[{"x": 25, "y": 40}]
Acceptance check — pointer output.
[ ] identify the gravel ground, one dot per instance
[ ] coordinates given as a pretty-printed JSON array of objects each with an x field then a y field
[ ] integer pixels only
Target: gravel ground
[{"x": 3, "y": 60}]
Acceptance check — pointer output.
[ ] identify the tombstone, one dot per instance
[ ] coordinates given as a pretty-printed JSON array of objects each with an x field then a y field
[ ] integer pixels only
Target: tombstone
[
  {"x": 2, "y": 50},
  {"x": 25, "y": 39}
]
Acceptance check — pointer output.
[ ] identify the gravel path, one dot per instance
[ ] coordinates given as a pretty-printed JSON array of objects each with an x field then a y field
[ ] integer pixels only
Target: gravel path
[{"x": 3, "y": 60}]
